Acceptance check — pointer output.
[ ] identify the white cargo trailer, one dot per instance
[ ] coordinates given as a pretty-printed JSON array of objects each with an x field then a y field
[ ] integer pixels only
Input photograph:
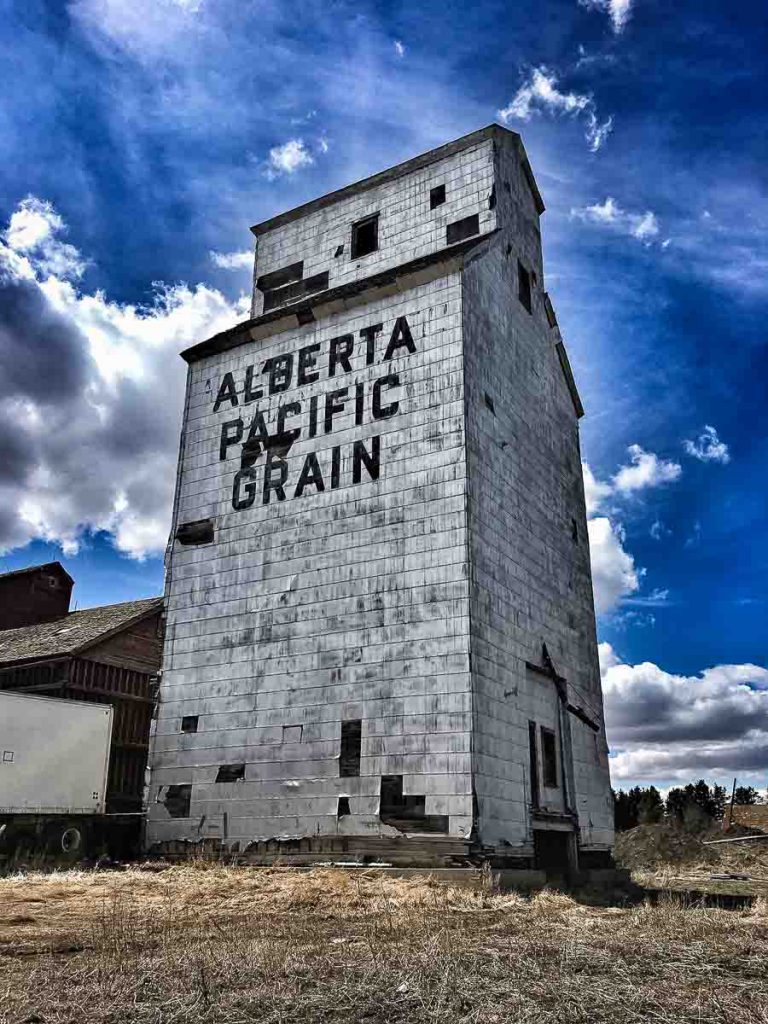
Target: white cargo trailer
[{"x": 53, "y": 772}]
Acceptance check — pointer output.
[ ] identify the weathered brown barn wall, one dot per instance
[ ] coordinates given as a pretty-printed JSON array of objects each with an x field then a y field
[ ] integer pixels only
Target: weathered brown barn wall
[{"x": 29, "y": 596}]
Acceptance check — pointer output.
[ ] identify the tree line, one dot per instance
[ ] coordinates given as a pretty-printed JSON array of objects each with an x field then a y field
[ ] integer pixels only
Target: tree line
[{"x": 694, "y": 806}]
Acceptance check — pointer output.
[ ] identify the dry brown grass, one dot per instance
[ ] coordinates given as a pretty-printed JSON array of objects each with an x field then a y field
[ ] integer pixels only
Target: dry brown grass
[
  {"x": 665, "y": 856},
  {"x": 212, "y": 943}
]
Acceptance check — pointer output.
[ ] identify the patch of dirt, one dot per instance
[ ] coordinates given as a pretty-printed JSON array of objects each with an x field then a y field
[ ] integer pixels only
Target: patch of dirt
[{"x": 666, "y": 845}]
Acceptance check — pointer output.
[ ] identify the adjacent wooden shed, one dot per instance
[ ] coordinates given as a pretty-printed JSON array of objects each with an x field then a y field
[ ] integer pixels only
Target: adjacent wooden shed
[{"x": 110, "y": 654}]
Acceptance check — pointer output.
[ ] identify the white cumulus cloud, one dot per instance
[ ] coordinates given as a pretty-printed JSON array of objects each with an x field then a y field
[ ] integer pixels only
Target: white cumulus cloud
[
  {"x": 642, "y": 226},
  {"x": 91, "y": 444},
  {"x": 668, "y": 727},
  {"x": 646, "y": 470},
  {"x": 708, "y": 447},
  {"x": 288, "y": 158},
  {"x": 617, "y": 10},
  {"x": 232, "y": 260},
  {"x": 540, "y": 93},
  {"x": 614, "y": 574},
  {"x": 595, "y": 491},
  {"x": 615, "y": 577},
  {"x": 33, "y": 231}
]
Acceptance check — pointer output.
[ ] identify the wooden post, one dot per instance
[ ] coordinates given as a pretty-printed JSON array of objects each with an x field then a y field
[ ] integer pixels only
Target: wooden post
[{"x": 730, "y": 813}]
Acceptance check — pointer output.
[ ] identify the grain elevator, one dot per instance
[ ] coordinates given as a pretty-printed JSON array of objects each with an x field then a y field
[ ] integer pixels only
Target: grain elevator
[{"x": 380, "y": 638}]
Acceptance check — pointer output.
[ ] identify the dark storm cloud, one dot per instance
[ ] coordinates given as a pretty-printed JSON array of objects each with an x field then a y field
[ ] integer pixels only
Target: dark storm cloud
[
  {"x": 90, "y": 401},
  {"x": 44, "y": 356},
  {"x": 664, "y": 725}
]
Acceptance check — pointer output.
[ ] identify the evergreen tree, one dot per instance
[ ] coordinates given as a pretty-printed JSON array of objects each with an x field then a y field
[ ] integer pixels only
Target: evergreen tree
[
  {"x": 638, "y": 806},
  {"x": 650, "y": 806},
  {"x": 746, "y": 795},
  {"x": 696, "y": 805}
]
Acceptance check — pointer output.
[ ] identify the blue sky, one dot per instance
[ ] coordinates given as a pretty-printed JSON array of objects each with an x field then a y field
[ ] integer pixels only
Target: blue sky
[{"x": 139, "y": 141}]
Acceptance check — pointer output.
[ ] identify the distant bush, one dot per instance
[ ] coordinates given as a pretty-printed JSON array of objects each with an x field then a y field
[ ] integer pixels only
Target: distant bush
[{"x": 694, "y": 806}]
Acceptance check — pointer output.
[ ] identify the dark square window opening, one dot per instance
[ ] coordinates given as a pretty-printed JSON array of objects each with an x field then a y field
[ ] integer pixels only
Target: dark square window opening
[
  {"x": 343, "y": 810},
  {"x": 230, "y": 773},
  {"x": 436, "y": 196},
  {"x": 199, "y": 532},
  {"x": 524, "y": 286},
  {"x": 365, "y": 236},
  {"x": 549, "y": 758},
  {"x": 459, "y": 230},
  {"x": 189, "y": 723}
]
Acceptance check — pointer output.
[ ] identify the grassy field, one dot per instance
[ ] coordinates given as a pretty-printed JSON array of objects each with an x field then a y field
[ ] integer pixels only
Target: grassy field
[{"x": 212, "y": 943}]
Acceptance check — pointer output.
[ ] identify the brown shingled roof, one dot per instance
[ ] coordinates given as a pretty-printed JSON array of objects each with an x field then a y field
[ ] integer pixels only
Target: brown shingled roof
[{"x": 73, "y": 633}]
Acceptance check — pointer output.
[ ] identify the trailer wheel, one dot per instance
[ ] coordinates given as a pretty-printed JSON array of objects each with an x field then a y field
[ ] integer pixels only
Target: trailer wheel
[
  {"x": 71, "y": 842},
  {"x": 65, "y": 840}
]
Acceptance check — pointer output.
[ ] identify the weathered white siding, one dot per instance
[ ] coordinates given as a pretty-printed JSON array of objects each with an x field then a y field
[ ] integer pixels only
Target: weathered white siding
[
  {"x": 346, "y": 604},
  {"x": 408, "y": 228},
  {"x": 417, "y": 599},
  {"x": 529, "y": 551}
]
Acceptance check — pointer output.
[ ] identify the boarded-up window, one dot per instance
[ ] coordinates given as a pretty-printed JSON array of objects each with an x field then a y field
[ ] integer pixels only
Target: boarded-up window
[
  {"x": 351, "y": 744},
  {"x": 280, "y": 278},
  {"x": 297, "y": 290},
  {"x": 292, "y": 733},
  {"x": 549, "y": 758}
]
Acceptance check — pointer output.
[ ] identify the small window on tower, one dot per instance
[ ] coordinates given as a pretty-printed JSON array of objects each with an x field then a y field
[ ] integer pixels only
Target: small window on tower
[
  {"x": 230, "y": 773},
  {"x": 549, "y": 758},
  {"x": 351, "y": 743},
  {"x": 436, "y": 196},
  {"x": 189, "y": 723},
  {"x": 533, "y": 757},
  {"x": 524, "y": 286},
  {"x": 365, "y": 236}
]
